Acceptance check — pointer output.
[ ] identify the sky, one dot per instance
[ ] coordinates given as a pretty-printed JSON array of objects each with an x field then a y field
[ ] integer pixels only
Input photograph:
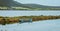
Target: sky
[{"x": 42, "y": 2}]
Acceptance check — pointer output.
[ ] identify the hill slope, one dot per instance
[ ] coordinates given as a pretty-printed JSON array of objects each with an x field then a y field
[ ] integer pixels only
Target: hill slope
[{"x": 11, "y": 3}]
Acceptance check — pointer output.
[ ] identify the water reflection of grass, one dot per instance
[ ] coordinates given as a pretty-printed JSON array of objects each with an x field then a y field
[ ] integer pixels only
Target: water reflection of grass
[{"x": 11, "y": 20}]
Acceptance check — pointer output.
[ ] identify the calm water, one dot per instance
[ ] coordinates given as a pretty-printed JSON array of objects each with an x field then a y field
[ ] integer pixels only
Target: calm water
[
  {"x": 28, "y": 13},
  {"x": 46, "y": 25}
]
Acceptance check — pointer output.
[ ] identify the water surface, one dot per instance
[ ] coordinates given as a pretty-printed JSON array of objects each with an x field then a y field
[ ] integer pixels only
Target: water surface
[
  {"x": 28, "y": 13},
  {"x": 46, "y": 25}
]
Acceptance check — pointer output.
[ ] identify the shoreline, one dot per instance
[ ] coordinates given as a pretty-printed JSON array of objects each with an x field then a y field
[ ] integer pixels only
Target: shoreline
[{"x": 11, "y": 20}]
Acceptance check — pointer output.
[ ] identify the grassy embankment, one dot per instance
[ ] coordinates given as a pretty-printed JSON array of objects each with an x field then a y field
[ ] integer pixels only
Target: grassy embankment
[
  {"x": 22, "y": 8},
  {"x": 10, "y": 20}
]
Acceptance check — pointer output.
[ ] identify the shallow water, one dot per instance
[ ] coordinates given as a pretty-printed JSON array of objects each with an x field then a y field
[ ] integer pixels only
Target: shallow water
[
  {"x": 46, "y": 25},
  {"x": 28, "y": 13}
]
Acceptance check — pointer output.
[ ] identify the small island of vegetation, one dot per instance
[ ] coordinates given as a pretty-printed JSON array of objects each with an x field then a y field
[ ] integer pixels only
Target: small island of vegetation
[{"x": 17, "y": 19}]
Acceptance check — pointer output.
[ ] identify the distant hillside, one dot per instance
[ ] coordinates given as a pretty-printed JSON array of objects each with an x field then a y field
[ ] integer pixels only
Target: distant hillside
[
  {"x": 6, "y": 2},
  {"x": 11, "y": 3},
  {"x": 40, "y": 6}
]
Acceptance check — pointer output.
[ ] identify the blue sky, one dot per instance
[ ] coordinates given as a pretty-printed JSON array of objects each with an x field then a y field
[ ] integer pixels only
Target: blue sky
[{"x": 42, "y": 2}]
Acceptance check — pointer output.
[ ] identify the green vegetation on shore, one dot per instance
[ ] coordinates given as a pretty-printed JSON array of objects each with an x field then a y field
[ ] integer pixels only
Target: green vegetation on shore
[
  {"x": 22, "y": 8},
  {"x": 10, "y": 20}
]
